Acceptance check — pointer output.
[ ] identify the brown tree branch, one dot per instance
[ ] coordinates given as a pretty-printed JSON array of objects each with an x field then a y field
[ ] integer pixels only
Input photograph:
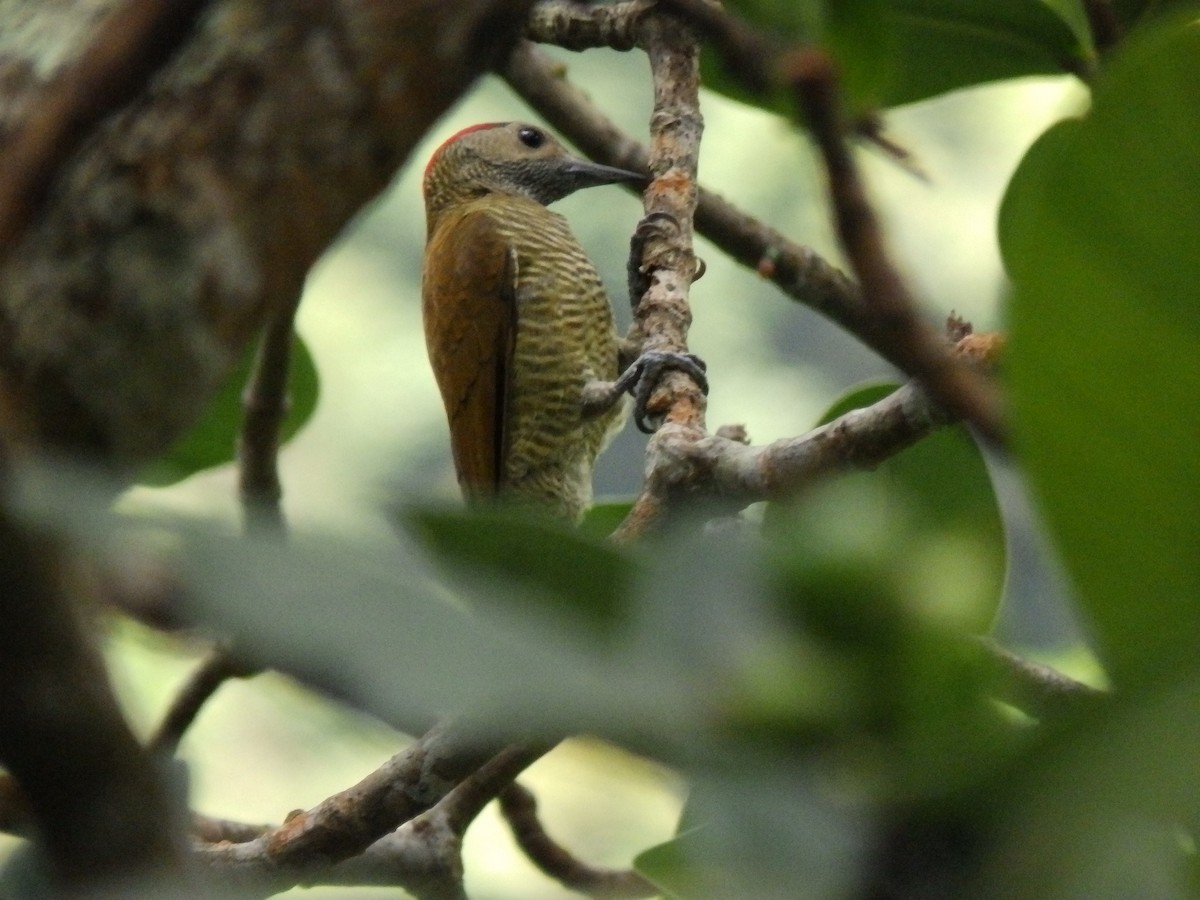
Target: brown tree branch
[
  {"x": 727, "y": 474},
  {"x": 423, "y": 856},
  {"x": 102, "y": 810},
  {"x": 884, "y": 316},
  {"x": 922, "y": 352},
  {"x": 464, "y": 804},
  {"x": 188, "y": 219},
  {"x": 416, "y": 857},
  {"x": 214, "y": 670},
  {"x": 519, "y": 807},
  {"x": 264, "y": 408},
  {"x": 576, "y": 26},
  {"x": 442, "y": 828},
  {"x": 128, "y": 47},
  {"x": 346, "y": 824},
  {"x": 798, "y": 271},
  {"x": 211, "y": 830},
  {"x": 662, "y": 262}
]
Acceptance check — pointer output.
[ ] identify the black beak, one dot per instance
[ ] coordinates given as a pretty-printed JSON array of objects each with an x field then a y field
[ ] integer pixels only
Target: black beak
[{"x": 585, "y": 173}]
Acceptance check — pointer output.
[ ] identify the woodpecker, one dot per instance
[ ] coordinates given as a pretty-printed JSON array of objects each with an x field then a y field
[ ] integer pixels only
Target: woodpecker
[{"x": 518, "y": 327}]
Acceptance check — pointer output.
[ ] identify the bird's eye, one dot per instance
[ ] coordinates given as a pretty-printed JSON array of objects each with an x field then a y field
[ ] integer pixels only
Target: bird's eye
[{"x": 531, "y": 138}]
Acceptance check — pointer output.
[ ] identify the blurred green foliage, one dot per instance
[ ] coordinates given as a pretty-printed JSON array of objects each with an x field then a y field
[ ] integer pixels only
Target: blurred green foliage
[
  {"x": 892, "y": 52},
  {"x": 213, "y": 440},
  {"x": 1094, "y": 231}
]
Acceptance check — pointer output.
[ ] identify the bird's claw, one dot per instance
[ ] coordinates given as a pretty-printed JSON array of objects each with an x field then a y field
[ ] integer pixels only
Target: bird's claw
[{"x": 642, "y": 377}]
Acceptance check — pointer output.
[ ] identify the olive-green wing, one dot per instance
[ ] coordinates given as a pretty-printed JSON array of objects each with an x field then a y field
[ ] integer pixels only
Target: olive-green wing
[{"x": 469, "y": 308}]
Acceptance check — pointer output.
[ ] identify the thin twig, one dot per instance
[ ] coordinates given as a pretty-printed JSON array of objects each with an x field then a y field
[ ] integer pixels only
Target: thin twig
[
  {"x": 442, "y": 828},
  {"x": 922, "y": 352},
  {"x": 128, "y": 48},
  {"x": 463, "y": 804},
  {"x": 519, "y": 807},
  {"x": 212, "y": 830},
  {"x": 214, "y": 670},
  {"x": 264, "y": 408}
]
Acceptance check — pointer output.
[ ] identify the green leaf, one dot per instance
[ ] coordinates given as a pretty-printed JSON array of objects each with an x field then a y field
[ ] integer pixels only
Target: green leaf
[
  {"x": 862, "y": 36},
  {"x": 668, "y": 867},
  {"x": 375, "y": 623},
  {"x": 558, "y": 568},
  {"x": 1101, "y": 810},
  {"x": 1096, "y": 231},
  {"x": 1024, "y": 201},
  {"x": 767, "y": 827},
  {"x": 944, "y": 45},
  {"x": 857, "y": 32},
  {"x": 943, "y": 486},
  {"x": 603, "y": 518},
  {"x": 892, "y": 52},
  {"x": 1073, "y": 14},
  {"x": 891, "y": 599},
  {"x": 213, "y": 441}
]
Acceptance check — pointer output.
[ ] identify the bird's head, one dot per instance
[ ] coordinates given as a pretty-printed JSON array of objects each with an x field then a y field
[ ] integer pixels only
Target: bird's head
[{"x": 510, "y": 158}]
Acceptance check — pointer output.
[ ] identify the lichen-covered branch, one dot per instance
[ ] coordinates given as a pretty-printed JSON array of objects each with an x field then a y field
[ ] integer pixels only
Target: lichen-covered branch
[
  {"x": 576, "y": 26},
  {"x": 192, "y": 213},
  {"x": 662, "y": 262},
  {"x": 346, "y": 824}
]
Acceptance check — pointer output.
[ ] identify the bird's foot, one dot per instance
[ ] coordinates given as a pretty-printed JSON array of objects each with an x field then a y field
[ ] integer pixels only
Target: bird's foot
[{"x": 642, "y": 377}]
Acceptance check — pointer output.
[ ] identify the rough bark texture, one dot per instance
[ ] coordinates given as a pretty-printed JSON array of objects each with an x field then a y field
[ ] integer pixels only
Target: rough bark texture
[
  {"x": 191, "y": 214},
  {"x": 665, "y": 263}
]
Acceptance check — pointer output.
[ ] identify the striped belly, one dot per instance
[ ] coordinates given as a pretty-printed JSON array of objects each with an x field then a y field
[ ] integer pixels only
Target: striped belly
[{"x": 565, "y": 338}]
